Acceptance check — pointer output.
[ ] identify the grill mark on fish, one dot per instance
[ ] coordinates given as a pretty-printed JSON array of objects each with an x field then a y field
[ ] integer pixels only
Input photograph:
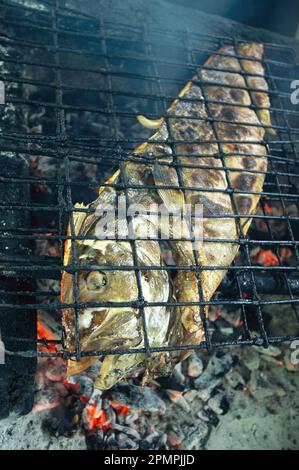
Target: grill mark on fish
[
  {"x": 244, "y": 204},
  {"x": 203, "y": 180},
  {"x": 237, "y": 95},
  {"x": 229, "y": 114},
  {"x": 249, "y": 163},
  {"x": 245, "y": 181},
  {"x": 210, "y": 207}
]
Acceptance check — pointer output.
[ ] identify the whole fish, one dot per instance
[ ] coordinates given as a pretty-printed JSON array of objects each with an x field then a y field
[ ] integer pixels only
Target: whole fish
[{"x": 209, "y": 152}]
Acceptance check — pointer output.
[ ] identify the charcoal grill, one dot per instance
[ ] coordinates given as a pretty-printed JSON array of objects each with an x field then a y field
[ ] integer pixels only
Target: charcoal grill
[{"x": 83, "y": 80}]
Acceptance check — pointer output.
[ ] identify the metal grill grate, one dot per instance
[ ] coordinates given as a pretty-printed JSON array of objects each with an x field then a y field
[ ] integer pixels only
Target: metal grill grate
[{"x": 85, "y": 80}]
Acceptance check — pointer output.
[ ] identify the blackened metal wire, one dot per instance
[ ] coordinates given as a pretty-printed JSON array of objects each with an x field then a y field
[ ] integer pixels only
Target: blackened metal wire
[{"x": 57, "y": 28}]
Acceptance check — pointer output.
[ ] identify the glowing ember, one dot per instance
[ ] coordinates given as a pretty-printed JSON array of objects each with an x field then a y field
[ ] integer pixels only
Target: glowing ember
[
  {"x": 238, "y": 323},
  {"x": 285, "y": 253},
  {"x": 44, "y": 335},
  {"x": 97, "y": 418},
  {"x": 264, "y": 257},
  {"x": 72, "y": 387},
  {"x": 248, "y": 389},
  {"x": 120, "y": 408},
  {"x": 174, "y": 395},
  {"x": 267, "y": 208}
]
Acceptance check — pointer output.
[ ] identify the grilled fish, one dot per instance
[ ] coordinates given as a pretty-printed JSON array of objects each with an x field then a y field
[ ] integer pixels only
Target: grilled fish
[{"x": 208, "y": 151}]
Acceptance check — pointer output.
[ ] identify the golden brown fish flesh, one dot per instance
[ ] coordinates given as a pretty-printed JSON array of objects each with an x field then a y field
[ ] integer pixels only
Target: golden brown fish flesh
[{"x": 209, "y": 151}]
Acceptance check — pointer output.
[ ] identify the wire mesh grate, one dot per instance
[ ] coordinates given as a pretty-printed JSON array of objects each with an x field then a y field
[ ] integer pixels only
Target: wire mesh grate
[{"x": 75, "y": 85}]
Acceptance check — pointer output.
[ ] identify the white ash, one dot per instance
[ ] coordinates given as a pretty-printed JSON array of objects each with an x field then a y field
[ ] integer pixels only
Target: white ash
[{"x": 241, "y": 395}]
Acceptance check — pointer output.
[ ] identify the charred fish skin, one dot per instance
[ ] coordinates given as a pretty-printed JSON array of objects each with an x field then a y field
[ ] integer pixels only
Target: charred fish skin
[{"x": 217, "y": 144}]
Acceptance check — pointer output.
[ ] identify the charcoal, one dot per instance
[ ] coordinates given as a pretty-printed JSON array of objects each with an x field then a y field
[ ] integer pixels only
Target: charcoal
[
  {"x": 212, "y": 416},
  {"x": 173, "y": 382},
  {"x": 131, "y": 418},
  {"x": 132, "y": 433},
  {"x": 217, "y": 367},
  {"x": 95, "y": 400},
  {"x": 206, "y": 392},
  {"x": 105, "y": 401},
  {"x": 178, "y": 375},
  {"x": 174, "y": 441},
  {"x": 111, "y": 443},
  {"x": 95, "y": 441},
  {"x": 234, "y": 379},
  {"x": 195, "y": 439},
  {"x": 260, "y": 386},
  {"x": 195, "y": 366},
  {"x": 111, "y": 416},
  {"x": 252, "y": 359},
  {"x": 219, "y": 404},
  {"x": 64, "y": 420},
  {"x": 124, "y": 442},
  {"x": 138, "y": 398},
  {"x": 272, "y": 351},
  {"x": 84, "y": 385},
  {"x": 202, "y": 414},
  {"x": 179, "y": 400},
  {"x": 190, "y": 395},
  {"x": 159, "y": 442},
  {"x": 145, "y": 444}
]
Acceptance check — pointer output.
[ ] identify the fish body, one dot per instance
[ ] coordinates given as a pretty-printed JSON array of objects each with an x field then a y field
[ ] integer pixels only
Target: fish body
[{"x": 209, "y": 151}]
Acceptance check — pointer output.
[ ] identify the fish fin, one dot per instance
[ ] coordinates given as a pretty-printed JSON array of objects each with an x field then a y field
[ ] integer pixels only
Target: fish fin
[
  {"x": 77, "y": 367},
  {"x": 111, "y": 180},
  {"x": 79, "y": 217},
  {"x": 264, "y": 116},
  {"x": 78, "y": 220},
  {"x": 174, "y": 202},
  {"x": 172, "y": 198},
  {"x": 150, "y": 123}
]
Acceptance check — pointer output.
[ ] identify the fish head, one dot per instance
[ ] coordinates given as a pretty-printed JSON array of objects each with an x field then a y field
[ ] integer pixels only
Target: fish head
[{"x": 105, "y": 278}]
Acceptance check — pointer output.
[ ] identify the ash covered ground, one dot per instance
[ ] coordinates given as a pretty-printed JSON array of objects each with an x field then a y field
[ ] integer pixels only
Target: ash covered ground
[{"x": 241, "y": 399}]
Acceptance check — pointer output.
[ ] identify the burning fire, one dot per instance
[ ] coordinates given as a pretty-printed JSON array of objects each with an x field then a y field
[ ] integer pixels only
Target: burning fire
[
  {"x": 44, "y": 335},
  {"x": 267, "y": 209},
  {"x": 265, "y": 206},
  {"x": 120, "y": 409},
  {"x": 264, "y": 257},
  {"x": 96, "y": 418},
  {"x": 238, "y": 323},
  {"x": 285, "y": 253}
]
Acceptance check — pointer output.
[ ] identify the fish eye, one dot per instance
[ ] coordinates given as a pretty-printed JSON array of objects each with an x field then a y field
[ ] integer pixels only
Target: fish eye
[{"x": 96, "y": 280}]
